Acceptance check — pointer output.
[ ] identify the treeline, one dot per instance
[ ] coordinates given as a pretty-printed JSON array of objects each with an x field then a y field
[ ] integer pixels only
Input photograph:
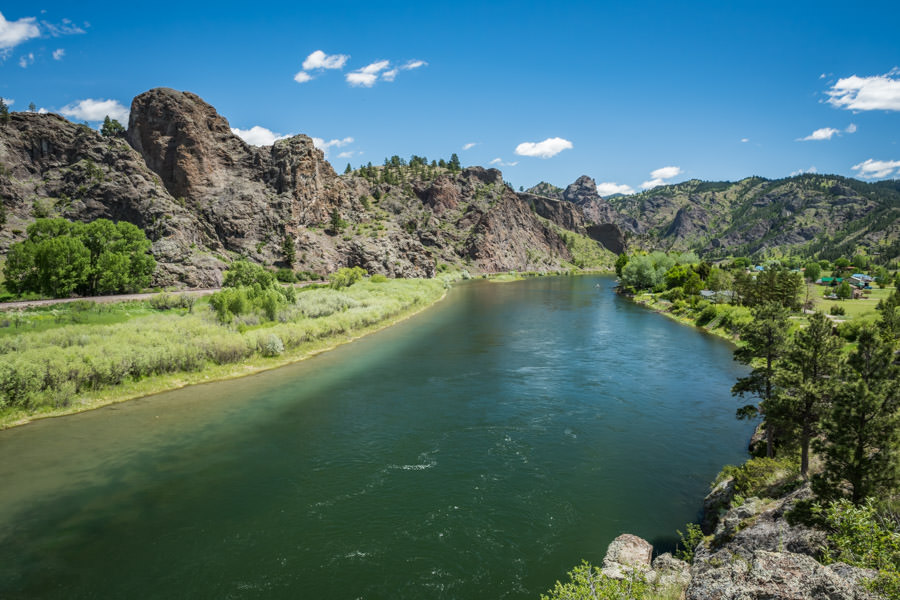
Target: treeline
[
  {"x": 684, "y": 276},
  {"x": 813, "y": 396},
  {"x": 397, "y": 170},
  {"x": 59, "y": 258}
]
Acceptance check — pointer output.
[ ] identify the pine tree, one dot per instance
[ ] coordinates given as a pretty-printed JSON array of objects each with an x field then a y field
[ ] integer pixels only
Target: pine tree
[
  {"x": 764, "y": 339},
  {"x": 861, "y": 435},
  {"x": 4, "y": 112},
  {"x": 804, "y": 383},
  {"x": 348, "y": 170}
]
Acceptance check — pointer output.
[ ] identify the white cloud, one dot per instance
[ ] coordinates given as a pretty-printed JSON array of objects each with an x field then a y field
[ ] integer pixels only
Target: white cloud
[
  {"x": 659, "y": 176},
  {"x": 367, "y": 76},
  {"x": 879, "y": 92},
  {"x": 499, "y": 162},
  {"x": 320, "y": 60},
  {"x": 609, "y": 188},
  {"x": 8, "y": 101},
  {"x": 348, "y": 154},
  {"x": 43, "y": 111},
  {"x": 825, "y": 133},
  {"x": 95, "y": 110},
  {"x": 469, "y": 146},
  {"x": 872, "y": 169},
  {"x": 66, "y": 28},
  {"x": 546, "y": 149},
  {"x": 26, "y": 59},
  {"x": 666, "y": 173},
  {"x": 414, "y": 64},
  {"x": 851, "y": 128},
  {"x": 745, "y": 140},
  {"x": 326, "y": 145},
  {"x": 59, "y": 53},
  {"x": 802, "y": 171},
  {"x": 302, "y": 77},
  {"x": 323, "y": 145},
  {"x": 258, "y": 136},
  {"x": 13, "y": 33}
]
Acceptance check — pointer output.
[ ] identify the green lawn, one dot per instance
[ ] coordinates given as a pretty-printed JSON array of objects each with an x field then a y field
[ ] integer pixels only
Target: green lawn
[{"x": 864, "y": 308}]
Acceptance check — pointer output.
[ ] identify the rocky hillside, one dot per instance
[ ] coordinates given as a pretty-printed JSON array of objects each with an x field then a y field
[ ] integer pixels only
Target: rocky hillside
[
  {"x": 205, "y": 197},
  {"x": 809, "y": 215},
  {"x": 823, "y": 215}
]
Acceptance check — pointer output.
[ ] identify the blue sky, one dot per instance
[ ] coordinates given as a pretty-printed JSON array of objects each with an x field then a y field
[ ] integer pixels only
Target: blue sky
[{"x": 632, "y": 94}]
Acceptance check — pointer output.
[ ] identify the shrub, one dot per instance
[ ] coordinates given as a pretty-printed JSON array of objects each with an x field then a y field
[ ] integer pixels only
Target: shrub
[
  {"x": 271, "y": 345},
  {"x": 589, "y": 583},
  {"x": 706, "y": 315},
  {"x": 378, "y": 278},
  {"x": 346, "y": 276},
  {"x": 863, "y": 538},
  {"x": 837, "y": 310},
  {"x": 285, "y": 275},
  {"x": 245, "y": 273},
  {"x": 689, "y": 542},
  {"x": 763, "y": 476}
]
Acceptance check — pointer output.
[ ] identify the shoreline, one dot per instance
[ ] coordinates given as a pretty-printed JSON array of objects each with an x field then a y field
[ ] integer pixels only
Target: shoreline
[
  {"x": 133, "y": 390},
  {"x": 682, "y": 320}
]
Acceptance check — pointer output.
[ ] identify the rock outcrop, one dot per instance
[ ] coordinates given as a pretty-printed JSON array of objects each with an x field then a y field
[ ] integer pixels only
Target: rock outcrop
[
  {"x": 52, "y": 167},
  {"x": 205, "y": 197},
  {"x": 753, "y": 553}
]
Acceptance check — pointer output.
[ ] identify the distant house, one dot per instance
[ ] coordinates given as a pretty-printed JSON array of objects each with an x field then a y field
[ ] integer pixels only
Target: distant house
[
  {"x": 832, "y": 281},
  {"x": 720, "y": 296},
  {"x": 860, "y": 280}
]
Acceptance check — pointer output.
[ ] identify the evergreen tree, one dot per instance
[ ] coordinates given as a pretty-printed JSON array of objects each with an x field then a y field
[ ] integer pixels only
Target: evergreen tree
[
  {"x": 111, "y": 128},
  {"x": 4, "y": 112},
  {"x": 764, "y": 340},
  {"x": 804, "y": 384},
  {"x": 289, "y": 250},
  {"x": 861, "y": 435},
  {"x": 454, "y": 165},
  {"x": 348, "y": 170},
  {"x": 31, "y": 107}
]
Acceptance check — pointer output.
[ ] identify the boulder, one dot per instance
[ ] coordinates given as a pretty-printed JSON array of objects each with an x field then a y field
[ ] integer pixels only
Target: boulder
[
  {"x": 771, "y": 575},
  {"x": 668, "y": 571},
  {"x": 716, "y": 503},
  {"x": 626, "y": 554}
]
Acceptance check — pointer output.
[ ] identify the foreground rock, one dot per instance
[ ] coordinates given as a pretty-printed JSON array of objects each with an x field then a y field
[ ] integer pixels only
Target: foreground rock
[
  {"x": 771, "y": 575},
  {"x": 752, "y": 554}
]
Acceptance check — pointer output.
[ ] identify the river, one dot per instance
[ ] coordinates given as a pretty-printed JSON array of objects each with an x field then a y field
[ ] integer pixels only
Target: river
[{"x": 478, "y": 450}]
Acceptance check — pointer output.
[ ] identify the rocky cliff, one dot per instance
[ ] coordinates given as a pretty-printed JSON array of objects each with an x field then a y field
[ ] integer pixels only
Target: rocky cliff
[{"x": 205, "y": 197}]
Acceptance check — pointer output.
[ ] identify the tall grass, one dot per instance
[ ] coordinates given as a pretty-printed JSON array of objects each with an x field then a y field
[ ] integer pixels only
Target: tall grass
[{"x": 47, "y": 370}]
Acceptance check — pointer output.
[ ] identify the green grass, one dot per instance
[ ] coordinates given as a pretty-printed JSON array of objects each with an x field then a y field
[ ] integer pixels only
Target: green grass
[
  {"x": 59, "y": 368},
  {"x": 864, "y": 308},
  {"x": 45, "y": 318}
]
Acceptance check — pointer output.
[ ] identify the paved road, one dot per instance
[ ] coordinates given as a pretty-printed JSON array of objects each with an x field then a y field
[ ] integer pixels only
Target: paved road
[{"x": 119, "y": 298}]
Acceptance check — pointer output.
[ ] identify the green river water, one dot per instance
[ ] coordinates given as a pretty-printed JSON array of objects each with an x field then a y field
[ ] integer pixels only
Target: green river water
[{"x": 478, "y": 450}]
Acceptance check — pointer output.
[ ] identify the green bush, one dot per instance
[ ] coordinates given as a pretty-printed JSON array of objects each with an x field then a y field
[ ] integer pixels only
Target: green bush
[
  {"x": 346, "y": 276},
  {"x": 706, "y": 315},
  {"x": 243, "y": 273},
  {"x": 861, "y": 537},
  {"x": 378, "y": 278},
  {"x": 587, "y": 582},
  {"x": 285, "y": 275},
  {"x": 837, "y": 310},
  {"x": 271, "y": 345},
  {"x": 763, "y": 477},
  {"x": 689, "y": 542}
]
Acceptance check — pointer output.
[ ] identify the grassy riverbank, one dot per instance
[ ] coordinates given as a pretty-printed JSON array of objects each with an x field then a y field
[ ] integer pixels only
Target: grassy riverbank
[{"x": 70, "y": 360}]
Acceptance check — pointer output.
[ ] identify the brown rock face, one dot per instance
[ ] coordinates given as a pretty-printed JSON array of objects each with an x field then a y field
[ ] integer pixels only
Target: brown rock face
[
  {"x": 205, "y": 197},
  {"x": 56, "y": 168}
]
